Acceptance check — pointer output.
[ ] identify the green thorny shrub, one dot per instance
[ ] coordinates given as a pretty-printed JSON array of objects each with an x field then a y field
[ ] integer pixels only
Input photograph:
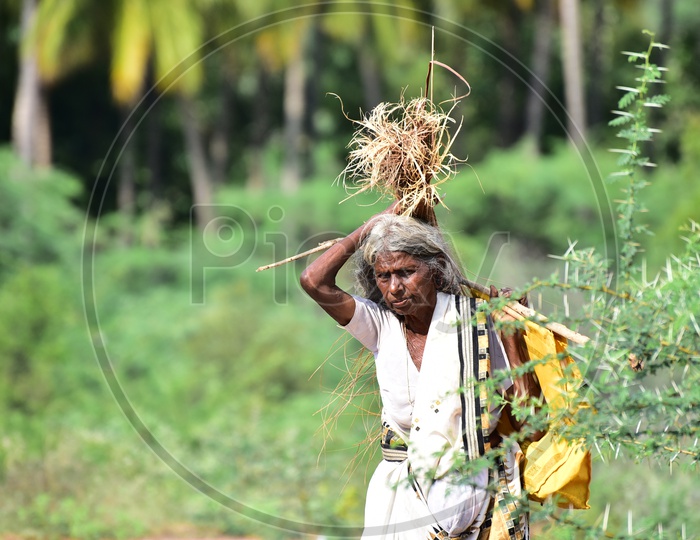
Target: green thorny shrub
[{"x": 641, "y": 385}]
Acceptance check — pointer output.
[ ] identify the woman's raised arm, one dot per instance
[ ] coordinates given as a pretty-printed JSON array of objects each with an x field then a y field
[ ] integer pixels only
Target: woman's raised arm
[{"x": 318, "y": 279}]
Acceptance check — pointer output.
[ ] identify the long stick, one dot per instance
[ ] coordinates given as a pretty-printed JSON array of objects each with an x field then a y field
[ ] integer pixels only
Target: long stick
[
  {"x": 515, "y": 309},
  {"x": 518, "y": 311},
  {"x": 320, "y": 247}
]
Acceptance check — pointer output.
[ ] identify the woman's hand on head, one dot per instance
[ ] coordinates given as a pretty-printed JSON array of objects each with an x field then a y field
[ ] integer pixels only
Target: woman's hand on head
[
  {"x": 319, "y": 278},
  {"x": 393, "y": 209}
]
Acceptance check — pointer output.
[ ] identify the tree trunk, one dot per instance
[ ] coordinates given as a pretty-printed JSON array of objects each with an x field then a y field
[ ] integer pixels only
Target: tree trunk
[
  {"x": 369, "y": 72},
  {"x": 572, "y": 59},
  {"x": 293, "y": 123},
  {"x": 259, "y": 133},
  {"x": 665, "y": 36},
  {"x": 31, "y": 126},
  {"x": 541, "y": 66},
  {"x": 312, "y": 92},
  {"x": 126, "y": 177},
  {"x": 220, "y": 139},
  {"x": 665, "y": 30},
  {"x": 154, "y": 145},
  {"x": 599, "y": 53},
  {"x": 200, "y": 178},
  {"x": 509, "y": 121}
]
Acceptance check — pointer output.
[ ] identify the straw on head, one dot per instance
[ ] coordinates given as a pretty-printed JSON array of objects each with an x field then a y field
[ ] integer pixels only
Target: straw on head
[{"x": 403, "y": 150}]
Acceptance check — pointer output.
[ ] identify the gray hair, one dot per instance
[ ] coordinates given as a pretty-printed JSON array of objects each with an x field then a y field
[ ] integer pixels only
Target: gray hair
[{"x": 392, "y": 233}]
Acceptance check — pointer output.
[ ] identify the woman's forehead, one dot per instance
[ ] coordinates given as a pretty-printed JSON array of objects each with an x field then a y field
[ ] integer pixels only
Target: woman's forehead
[{"x": 392, "y": 259}]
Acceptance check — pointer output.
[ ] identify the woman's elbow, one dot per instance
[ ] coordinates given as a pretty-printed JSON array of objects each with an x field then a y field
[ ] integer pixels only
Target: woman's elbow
[
  {"x": 308, "y": 281},
  {"x": 317, "y": 284}
]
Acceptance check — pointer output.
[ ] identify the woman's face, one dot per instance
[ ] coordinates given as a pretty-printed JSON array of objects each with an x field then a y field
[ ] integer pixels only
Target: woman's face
[{"x": 406, "y": 283}]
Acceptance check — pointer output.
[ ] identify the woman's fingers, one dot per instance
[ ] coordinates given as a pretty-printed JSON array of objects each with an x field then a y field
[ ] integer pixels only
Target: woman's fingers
[
  {"x": 501, "y": 315},
  {"x": 507, "y": 292}
]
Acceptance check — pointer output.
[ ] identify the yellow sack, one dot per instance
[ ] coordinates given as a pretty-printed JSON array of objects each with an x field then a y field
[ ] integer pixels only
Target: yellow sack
[{"x": 555, "y": 466}]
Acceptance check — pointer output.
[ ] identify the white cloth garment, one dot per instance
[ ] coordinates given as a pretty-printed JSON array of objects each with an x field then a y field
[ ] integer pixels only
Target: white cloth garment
[{"x": 424, "y": 409}]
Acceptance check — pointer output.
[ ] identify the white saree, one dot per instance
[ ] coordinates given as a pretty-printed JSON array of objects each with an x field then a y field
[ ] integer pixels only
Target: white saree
[{"x": 414, "y": 494}]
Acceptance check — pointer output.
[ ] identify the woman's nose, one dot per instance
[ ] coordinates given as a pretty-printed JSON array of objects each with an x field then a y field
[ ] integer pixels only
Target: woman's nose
[{"x": 394, "y": 284}]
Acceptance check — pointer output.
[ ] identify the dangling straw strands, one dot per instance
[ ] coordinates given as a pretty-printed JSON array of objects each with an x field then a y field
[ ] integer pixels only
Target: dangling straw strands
[{"x": 357, "y": 396}]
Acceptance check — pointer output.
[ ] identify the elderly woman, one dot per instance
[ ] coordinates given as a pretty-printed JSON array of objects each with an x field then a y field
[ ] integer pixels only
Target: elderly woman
[{"x": 416, "y": 319}]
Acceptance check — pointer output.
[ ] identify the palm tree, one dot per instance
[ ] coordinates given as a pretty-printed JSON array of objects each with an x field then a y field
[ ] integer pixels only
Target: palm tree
[
  {"x": 572, "y": 61},
  {"x": 541, "y": 65},
  {"x": 380, "y": 34},
  {"x": 31, "y": 130},
  {"x": 500, "y": 25},
  {"x": 284, "y": 47},
  {"x": 166, "y": 34}
]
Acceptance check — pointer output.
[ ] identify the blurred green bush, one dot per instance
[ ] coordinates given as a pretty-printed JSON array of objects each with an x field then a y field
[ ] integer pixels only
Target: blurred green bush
[{"x": 227, "y": 386}]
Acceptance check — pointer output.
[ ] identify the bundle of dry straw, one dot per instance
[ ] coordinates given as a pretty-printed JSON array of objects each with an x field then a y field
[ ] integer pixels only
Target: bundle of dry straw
[{"x": 403, "y": 150}]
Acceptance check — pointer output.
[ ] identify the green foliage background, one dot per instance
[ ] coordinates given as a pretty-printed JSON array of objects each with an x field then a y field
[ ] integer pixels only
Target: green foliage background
[{"x": 231, "y": 387}]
